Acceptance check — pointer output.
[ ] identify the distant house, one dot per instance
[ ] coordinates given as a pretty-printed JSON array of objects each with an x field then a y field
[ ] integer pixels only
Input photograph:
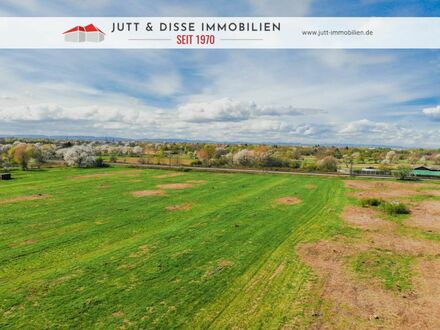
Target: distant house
[
  {"x": 89, "y": 33},
  {"x": 371, "y": 171},
  {"x": 426, "y": 171},
  {"x": 76, "y": 34}
]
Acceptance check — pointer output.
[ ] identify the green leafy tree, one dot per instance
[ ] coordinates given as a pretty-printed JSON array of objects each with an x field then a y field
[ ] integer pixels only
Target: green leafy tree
[
  {"x": 21, "y": 155},
  {"x": 403, "y": 172}
]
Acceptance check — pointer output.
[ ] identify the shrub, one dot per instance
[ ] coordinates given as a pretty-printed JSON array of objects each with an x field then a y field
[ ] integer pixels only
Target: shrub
[
  {"x": 395, "y": 208},
  {"x": 196, "y": 163},
  {"x": 328, "y": 164},
  {"x": 100, "y": 162},
  {"x": 294, "y": 164},
  {"x": 272, "y": 161},
  {"x": 218, "y": 162},
  {"x": 371, "y": 202},
  {"x": 309, "y": 167},
  {"x": 403, "y": 172}
]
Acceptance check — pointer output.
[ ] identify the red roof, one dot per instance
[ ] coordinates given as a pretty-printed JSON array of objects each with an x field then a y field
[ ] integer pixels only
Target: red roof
[
  {"x": 87, "y": 28},
  {"x": 76, "y": 28},
  {"x": 92, "y": 28}
]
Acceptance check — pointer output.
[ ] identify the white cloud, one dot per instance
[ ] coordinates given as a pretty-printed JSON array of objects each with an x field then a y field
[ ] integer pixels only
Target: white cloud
[
  {"x": 364, "y": 126},
  {"x": 220, "y": 110},
  {"x": 165, "y": 84},
  {"x": 433, "y": 113},
  {"x": 230, "y": 110},
  {"x": 380, "y": 133}
]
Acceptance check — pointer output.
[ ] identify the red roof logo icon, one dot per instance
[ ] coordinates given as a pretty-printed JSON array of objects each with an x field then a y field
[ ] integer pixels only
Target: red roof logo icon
[{"x": 88, "y": 33}]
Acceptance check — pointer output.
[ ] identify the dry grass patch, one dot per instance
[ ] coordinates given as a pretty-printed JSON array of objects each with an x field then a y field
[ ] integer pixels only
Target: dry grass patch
[
  {"x": 386, "y": 189},
  {"x": 365, "y": 218},
  {"x": 175, "y": 186},
  {"x": 288, "y": 200},
  {"x": 225, "y": 263},
  {"x": 311, "y": 186},
  {"x": 168, "y": 175},
  {"x": 390, "y": 294},
  {"x": 181, "y": 207},
  {"x": 403, "y": 245},
  {"x": 118, "y": 314},
  {"x": 24, "y": 198},
  {"x": 433, "y": 193},
  {"x": 144, "y": 193},
  {"x": 366, "y": 304},
  {"x": 425, "y": 215}
]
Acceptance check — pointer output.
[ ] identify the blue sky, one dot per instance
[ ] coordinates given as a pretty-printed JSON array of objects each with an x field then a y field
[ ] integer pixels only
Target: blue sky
[{"x": 331, "y": 96}]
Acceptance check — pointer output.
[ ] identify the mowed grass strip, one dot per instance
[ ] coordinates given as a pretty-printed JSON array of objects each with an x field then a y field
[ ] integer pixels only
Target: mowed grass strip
[{"x": 95, "y": 256}]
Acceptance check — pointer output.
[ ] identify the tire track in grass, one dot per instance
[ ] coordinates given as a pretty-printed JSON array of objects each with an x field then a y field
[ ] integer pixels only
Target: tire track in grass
[{"x": 266, "y": 269}]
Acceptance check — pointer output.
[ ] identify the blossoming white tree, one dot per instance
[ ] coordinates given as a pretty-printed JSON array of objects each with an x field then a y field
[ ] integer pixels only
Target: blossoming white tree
[
  {"x": 138, "y": 150},
  {"x": 80, "y": 156},
  {"x": 244, "y": 157}
]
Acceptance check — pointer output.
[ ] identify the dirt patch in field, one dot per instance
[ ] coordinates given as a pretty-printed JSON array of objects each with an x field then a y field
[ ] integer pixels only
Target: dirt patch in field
[
  {"x": 130, "y": 173},
  {"x": 181, "y": 207},
  {"x": 144, "y": 193},
  {"x": 311, "y": 186},
  {"x": 425, "y": 215},
  {"x": 371, "y": 185},
  {"x": 225, "y": 263},
  {"x": 386, "y": 194},
  {"x": 24, "y": 198},
  {"x": 365, "y": 218},
  {"x": 403, "y": 245},
  {"x": 288, "y": 200},
  {"x": 386, "y": 189},
  {"x": 433, "y": 193},
  {"x": 175, "y": 186},
  {"x": 135, "y": 181},
  {"x": 104, "y": 186},
  {"x": 118, "y": 314},
  {"x": 168, "y": 175},
  {"x": 366, "y": 305}
]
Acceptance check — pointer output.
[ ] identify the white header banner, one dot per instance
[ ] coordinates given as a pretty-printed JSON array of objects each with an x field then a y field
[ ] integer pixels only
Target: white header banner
[{"x": 218, "y": 33}]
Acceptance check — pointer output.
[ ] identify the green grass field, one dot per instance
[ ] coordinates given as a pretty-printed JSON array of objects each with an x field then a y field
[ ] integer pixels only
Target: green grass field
[{"x": 93, "y": 256}]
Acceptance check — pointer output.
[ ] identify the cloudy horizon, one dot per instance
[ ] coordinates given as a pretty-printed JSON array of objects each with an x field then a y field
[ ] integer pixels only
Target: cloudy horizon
[{"x": 374, "y": 97}]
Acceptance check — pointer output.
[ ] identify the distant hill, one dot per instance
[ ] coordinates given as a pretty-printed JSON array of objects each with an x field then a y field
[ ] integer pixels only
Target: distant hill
[{"x": 121, "y": 139}]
